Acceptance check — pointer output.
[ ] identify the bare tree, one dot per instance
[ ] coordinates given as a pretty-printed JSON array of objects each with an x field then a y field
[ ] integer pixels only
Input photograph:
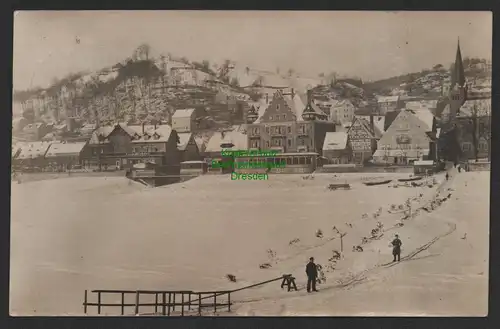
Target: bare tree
[{"x": 143, "y": 51}]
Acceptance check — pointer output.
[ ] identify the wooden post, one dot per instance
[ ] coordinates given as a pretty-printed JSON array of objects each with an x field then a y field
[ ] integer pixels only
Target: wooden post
[
  {"x": 85, "y": 302},
  {"x": 189, "y": 300},
  {"x": 173, "y": 302},
  {"x": 99, "y": 302},
  {"x": 123, "y": 303},
  {"x": 169, "y": 297},
  {"x": 182, "y": 304},
  {"x": 136, "y": 302},
  {"x": 164, "y": 307},
  {"x": 156, "y": 303},
  {"x": 229, "y": 301},
  {"x": 342, "y": 243},
  {"x": 215, "y": 303},
  {"x": 199, "y": 304}
]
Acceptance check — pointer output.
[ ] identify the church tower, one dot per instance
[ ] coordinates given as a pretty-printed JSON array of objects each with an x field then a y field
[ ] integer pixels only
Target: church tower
[{"x": 457, "y": 94}]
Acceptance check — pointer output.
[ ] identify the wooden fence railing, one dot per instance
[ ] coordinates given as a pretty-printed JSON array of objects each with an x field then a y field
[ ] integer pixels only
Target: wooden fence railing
[{"x": 172, "y": 303}]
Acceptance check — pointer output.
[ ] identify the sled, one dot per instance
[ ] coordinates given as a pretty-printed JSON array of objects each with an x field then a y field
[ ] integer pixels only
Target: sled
[
  {"x": 334, "y": 187},
  {"x": 410, "y": 179},
  {"x": 378, "y": 183}
]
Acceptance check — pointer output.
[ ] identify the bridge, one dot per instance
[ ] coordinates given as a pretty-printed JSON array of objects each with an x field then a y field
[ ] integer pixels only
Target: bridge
[{"x": 173, "y": 302}]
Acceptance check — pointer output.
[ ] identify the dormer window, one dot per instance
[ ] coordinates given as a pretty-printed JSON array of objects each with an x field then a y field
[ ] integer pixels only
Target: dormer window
[
  {"x": 277, "y": 107},
  {"x": 156, "y": 136},
  {"x": 270, "y": 118},
  {"x": 147, "y": 137}
]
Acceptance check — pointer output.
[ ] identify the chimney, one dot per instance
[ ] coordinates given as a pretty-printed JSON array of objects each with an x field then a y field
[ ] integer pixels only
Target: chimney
[
  {"x": 309, "y": 97},
  {"x": 293, "y": 93},
  {"x": 267, "y": 98}
]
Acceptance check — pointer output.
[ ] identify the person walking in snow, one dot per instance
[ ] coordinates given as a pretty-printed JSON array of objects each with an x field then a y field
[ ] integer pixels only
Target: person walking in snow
[
  {"x": 396, "y": 248},
  {"x": 312, "y": 275},
  {"x": 447, "y": 176}
]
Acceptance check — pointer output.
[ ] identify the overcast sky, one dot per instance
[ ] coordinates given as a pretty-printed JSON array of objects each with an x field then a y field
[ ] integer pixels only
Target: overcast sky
[{"x": 371, "y": 45}]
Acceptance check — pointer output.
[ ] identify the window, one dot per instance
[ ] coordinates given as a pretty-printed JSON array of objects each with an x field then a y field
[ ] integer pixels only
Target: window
[
  {"x": 466, "y": 146},
  {"x": 288, "y": 161},
  {"x": 267, "y": 143},
  {"x": 301, "y": 141},
  {"x": 302, "y": 160},
  {"x": 270, "y": 118},
  {"x": 483, "y": 146},
  {"x": 295, "y": 161},
  {"x": 289, "y": 129},
  {"x": 289, "y": 142},
  {"x": 267, "y": 129},
  {"x": 284, "y": 116},
  {"x": 277, "y": 107},
  {"x": 308, "y": 160}
]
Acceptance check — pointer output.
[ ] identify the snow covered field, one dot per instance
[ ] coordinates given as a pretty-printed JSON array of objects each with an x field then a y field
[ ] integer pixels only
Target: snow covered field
[{"x": 81, "y": 233}]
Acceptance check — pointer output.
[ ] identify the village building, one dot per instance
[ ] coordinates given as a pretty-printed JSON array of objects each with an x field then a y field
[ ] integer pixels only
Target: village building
[
  {"x": 184, "y": 120},
  {"x": 337, "y": 148},
  {"x": 122, "y": 146},
  {"x": 64, "y": 156},
  {"x": 363, "y": 137},
  {"x": 188, "y": 147},
  {"x": 32, "y": 154},
  {"x": 288, "y": 125},
  {"x": 411, "y": 136},
  {"x": 235, "y": 139},
  {"x": 342, "y": 111},
  {"x": 473, "y": 124},
  {"x": 464, "y": 118},
  {"x": 388, "y": 103}
]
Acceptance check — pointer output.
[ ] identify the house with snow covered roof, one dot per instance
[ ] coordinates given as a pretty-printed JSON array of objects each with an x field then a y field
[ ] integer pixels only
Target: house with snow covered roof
[
  {"x": 188, "y": 147},
  {"x": 337, "y": 148},
  {"x": 288, "y": 123},
  {"x": 235, "y": 139},
  {"x": 64, "y": 154},
  {"x": 184, "y": 120},
  {"x": 363, "y": 137},
  {"x": 411, "y": 136},
  {"x": 388, "y": 103},
  {"x": 473, "y": 130},
  {"x": 342, "y": 111},
  {"x": 32, "y": 154},
  {"x": 123, "y": 145}
]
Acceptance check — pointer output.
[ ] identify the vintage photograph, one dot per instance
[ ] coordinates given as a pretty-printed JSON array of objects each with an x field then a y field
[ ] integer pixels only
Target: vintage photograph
[{"x": 250, "y": 163}]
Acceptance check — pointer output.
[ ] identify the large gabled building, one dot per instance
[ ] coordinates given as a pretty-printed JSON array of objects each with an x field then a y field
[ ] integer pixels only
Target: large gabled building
[
  {"x": 122, "y": 146},
  {"x": 288, "y": 123}
]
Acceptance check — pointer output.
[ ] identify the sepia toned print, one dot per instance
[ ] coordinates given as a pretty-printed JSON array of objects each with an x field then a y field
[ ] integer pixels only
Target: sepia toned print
[{"x": 357, "y": 177}]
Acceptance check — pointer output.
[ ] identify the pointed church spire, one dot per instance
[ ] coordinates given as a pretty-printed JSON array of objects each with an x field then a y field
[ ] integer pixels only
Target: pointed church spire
[{"x": 458, "y": 73}]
